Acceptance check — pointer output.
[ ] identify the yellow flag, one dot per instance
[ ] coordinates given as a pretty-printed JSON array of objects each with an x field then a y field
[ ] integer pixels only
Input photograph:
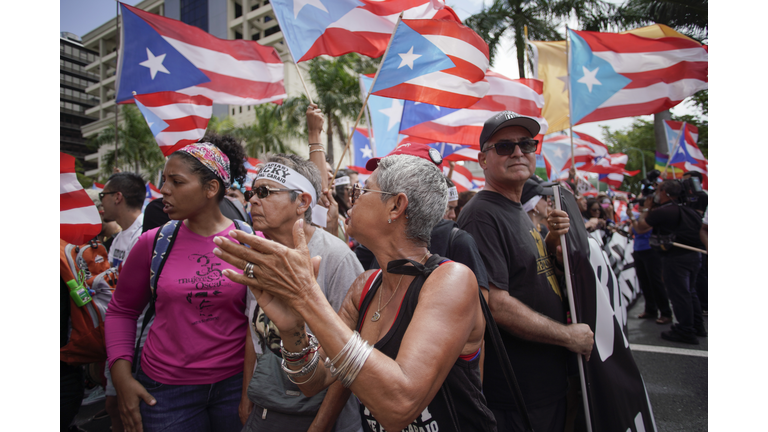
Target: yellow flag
[{"x": 551, "y": 67}]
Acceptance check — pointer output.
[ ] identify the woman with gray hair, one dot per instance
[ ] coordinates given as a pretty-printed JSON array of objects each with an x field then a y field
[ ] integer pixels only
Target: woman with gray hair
[{"x": 407, "y": 339}]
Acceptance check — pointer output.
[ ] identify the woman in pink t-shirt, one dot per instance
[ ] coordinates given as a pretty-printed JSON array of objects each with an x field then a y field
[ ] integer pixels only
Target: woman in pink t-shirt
[{"x": 191, "y": 366}]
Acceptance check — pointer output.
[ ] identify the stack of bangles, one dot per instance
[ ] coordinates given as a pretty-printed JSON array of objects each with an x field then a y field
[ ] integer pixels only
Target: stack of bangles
[
  {"x": 321, "y": 149},
  {"x": 355, "y": 353},
  {"x": 300, "y": 359}
]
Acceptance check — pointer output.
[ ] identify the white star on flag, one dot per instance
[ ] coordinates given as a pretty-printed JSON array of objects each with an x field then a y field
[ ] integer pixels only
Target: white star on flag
[
  {"x": 559, "y": 153},
  {"x": 408, "y": 58},
  {"x": 453, "y": 146},
  {"x": 367, "y": 152},
  {"x": 394, "y": 113},
  {"x": 298, "y": 5},
  {"x": 590, "y": 78},
  {"x": 154, "y": 63}
]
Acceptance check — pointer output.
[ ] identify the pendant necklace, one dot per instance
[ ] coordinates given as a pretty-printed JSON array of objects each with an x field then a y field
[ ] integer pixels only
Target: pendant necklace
[{"x": 376, "y": 315}]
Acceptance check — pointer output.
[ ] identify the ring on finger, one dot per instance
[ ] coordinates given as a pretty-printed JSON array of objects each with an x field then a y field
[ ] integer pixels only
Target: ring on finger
[{"x": 248, "y": 270}]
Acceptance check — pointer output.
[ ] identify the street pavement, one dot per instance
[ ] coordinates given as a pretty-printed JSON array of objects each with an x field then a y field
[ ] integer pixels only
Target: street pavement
[{"x": 675, "y": 376}]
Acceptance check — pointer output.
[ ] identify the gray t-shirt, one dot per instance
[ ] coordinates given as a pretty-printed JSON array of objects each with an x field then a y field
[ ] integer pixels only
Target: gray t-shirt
[{"x": 338, "y": 269}]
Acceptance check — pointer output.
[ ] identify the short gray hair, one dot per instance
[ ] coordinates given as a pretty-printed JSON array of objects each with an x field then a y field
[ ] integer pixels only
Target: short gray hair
[
  {"x": 424, "y": 185},
  {"x": 303, "y": 167}
]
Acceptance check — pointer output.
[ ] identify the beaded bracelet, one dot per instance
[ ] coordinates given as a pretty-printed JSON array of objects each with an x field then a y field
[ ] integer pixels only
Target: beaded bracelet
[{"x": 294, "y": 356}]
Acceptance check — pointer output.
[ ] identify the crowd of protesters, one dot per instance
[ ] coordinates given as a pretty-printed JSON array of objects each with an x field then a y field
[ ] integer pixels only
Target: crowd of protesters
[{"x": 312, "y": 302}]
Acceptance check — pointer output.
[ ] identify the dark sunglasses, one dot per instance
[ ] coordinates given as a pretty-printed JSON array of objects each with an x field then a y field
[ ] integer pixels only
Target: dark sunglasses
[
  {"x": 358, "y": 190},
  {"x": 505, "y": 148},
  {"x": 101, "y": 194},
  {"x": 264, "y": 191}
]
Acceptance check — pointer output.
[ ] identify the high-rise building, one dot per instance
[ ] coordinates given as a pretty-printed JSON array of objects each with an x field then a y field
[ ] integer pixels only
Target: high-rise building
[
  {"x": 74, "y": 101},
  {"x": 226, "y": 19}
]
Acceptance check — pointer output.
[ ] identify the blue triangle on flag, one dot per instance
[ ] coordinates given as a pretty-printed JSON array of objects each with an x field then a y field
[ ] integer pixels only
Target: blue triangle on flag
[
  {"x": 410, "y": 55},
  {"x": 156, "y": 124},
  {"x": 362, "y": 149},
  {"x": 593, "y": 80},
  {"x": 142, "y": 44},
  {"x": 415, "y": 113},
  {"x": 446, "y": 149}
]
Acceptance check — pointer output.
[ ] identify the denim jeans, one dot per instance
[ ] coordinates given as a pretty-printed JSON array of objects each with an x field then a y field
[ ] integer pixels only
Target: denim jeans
[
  {"x": 192, "y": 408},
  {"x": 680, "y": 279}
]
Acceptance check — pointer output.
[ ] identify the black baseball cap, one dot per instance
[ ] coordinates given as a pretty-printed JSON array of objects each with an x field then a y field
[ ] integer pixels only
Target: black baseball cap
[{"x": 506, "y": 119}]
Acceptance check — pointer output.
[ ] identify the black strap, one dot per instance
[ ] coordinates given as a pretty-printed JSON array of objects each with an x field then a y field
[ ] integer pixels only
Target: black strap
[
  {"x": 506, "y": 366},
  {"x": 454, "y": 231}
]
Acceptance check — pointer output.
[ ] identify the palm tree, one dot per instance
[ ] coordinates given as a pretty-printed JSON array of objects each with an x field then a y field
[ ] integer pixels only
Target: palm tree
[
  {"x": 137, "y": 146},
  {"x": 505, "y": 18},
  {"x": 338, "y": 91},
  {"x": 689, "y": 17},
  {"x": 268, "y": 133}
]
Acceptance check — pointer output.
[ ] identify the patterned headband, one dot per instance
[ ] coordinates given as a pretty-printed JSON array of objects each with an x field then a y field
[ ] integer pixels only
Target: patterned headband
[{"x": 212, "y": 158}]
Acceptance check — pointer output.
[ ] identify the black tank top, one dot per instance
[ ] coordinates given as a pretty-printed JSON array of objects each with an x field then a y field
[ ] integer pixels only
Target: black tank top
[{"x": 459, "y": 405}]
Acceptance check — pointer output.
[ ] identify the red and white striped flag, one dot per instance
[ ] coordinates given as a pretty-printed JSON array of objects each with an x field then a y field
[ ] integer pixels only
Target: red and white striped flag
[
  {"x": 522, "y": 96},
  {"x": 175, "y": 119},
  {"x": 79, "y": 220},
  {"x": 462, "y": 177},
  {"x": 160, "y": 53}
]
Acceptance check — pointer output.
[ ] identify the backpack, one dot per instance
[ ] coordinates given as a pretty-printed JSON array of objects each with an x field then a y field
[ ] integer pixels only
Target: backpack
[
  {"x": 86, "y": 271},
  {"x": 161, "y": 249}
]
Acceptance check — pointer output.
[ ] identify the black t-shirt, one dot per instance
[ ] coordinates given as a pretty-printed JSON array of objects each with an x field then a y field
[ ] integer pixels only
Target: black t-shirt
[
  {"x": 462, "y": 250},
  {"x": 517, "y": 261},
  {"x": 685, "y": 223}
]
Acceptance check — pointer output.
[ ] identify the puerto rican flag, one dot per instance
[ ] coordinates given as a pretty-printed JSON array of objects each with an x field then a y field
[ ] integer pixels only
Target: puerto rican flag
[
  {"x": 79, "y": 220},
  {"x": 175, "y": 119},
  {"x": 462, "y": 178},
  {"x": 98, "y": 186},
  {"x": 250, "y": 166},
  {"x": 153, "y": 192},
  {"x": 161, "y": 54},
  {"x": 361, "y": 147},
  {"x": 616, "y": 75},
  {"x": 337, "y": 27},
  {"x": 613, "y": 179},
  {"x": 463, "y": 126},
  {"x": 681, "y": 139},
  {"x": 439, "y": 62}
]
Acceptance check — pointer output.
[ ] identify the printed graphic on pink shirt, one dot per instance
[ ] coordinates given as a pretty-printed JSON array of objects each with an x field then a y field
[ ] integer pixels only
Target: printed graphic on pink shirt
[{"x": 207, "y": 282}]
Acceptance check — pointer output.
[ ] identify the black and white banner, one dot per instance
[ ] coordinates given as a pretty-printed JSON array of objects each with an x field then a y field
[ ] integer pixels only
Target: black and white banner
[{"x": 614, "y": 389}]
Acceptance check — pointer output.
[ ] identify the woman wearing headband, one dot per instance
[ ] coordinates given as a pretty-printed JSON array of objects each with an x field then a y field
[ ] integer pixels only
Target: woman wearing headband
[
  {"x": 407, "y": 339},
  {"x": 190, "y": 370}
]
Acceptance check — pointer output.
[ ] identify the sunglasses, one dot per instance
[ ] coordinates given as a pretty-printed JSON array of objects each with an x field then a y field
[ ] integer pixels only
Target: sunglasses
[
  {"x": 264, "y": 191},
  {"x": 358, "y": 190},
  {"x": 505, "y": 148},
  {"x": 101, "y": 194}
]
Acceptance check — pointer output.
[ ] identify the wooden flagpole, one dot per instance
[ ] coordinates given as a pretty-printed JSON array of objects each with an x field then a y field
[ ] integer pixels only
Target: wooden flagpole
[
  {"x": 572, "y": 305},
  {"x": 365, "y": 102},
  {"x": 672, "y": 153}
]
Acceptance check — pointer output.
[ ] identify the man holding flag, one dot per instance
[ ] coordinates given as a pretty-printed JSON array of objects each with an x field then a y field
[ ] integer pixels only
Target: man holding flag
[{"x": 525, "y": 297}]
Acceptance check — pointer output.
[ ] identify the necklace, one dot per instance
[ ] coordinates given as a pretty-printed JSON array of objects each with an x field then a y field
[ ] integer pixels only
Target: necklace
[{"x": 376, "y": 315}]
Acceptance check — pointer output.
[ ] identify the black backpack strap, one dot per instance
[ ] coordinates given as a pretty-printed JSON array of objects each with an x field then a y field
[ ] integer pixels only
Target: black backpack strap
[
  {"x": 492, "y": 331},
  {"x": 164, "y": 239}
]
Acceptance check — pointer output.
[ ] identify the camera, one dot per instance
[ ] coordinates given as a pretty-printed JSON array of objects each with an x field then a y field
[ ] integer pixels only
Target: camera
[{"x": 692, "y": 194}]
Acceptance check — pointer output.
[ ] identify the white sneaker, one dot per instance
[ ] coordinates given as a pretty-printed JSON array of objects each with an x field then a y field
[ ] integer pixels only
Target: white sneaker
[{"x": 94, "y": 395}]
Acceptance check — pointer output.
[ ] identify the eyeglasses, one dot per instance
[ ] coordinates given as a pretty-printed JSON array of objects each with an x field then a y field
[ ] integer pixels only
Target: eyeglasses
[
  {"x": 101, "y": 194},
  {"x": 505, "y": 148},
  {"x": 358, "y": 190},
  {"x": 264, "y": 191}
]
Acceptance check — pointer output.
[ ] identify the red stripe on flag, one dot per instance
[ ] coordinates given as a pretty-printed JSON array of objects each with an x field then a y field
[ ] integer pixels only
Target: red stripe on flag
[
  {"x": 166, "y": 98},
  {"x": 630, "y": 43},
  {"x": 78, "y": 233},
  {"x": 674, "y": 73},
  {"x": 66, "y": 163},
  {"x": 168, "y": 150},
  {"x": 73, "y": 200},
  {"x": 525, "y": 107},
  {"x": 451, "y": 29},
  {"x": 240, "y": 49},
  {"x": 629, "y": 110},
  {"x": 336, "y": 42},
  {"x": 465, "y": 69},
  {"x": 428, "y": 95},
  {"x": 184, "y": 124},
  {"x": 241, "y": 87}
]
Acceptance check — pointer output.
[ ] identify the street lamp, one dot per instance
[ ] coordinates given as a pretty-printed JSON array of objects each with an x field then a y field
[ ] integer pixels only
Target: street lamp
[{"x": 642, "y": 157}]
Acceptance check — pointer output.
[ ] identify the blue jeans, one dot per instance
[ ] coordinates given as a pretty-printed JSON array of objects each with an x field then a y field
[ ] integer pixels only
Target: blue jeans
[{"x": 192, "y": 408}]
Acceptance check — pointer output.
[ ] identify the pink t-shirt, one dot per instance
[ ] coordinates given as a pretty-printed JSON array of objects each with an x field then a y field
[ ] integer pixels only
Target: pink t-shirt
[{"x": 198, "y": 335}]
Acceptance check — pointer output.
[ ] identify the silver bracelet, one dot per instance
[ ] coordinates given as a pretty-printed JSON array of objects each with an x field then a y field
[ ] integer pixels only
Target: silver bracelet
[
  {"x": 330, "y": 363},
  {"x": 355, "y": 352},
  {"x": 317, "y": 150},
  {"x": 294, "y": 356},
  {"x": 305, "y": 381},
  {"x": 305, "y": 370}
]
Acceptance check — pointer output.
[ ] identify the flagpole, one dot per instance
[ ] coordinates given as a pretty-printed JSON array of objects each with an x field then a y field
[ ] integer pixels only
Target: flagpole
[
  {"x": 371, "y": 139},
  {"x": 572, "y": 305},
  {"x": 117, "y": 50},
  {"x": 672, "y": 153},
  {"x": 570, "y": 101},
  {"x": 373, "y": 83}
]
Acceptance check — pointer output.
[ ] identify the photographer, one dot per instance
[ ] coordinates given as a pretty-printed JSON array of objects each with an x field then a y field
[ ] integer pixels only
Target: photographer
[{"x": 672, "y": 222}]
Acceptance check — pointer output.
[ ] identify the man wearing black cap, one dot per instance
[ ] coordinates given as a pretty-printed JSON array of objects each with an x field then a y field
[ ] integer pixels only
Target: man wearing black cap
[{"x": 525, "y": 298}]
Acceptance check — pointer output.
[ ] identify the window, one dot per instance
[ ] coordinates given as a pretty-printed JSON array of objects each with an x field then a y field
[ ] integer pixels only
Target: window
[
  {"x": 67, "y": 49},
  {"x": 267, "y": 18},
  {"x": 271, "y": 30},
  {"x": 238, "y": 10},
  {"x": 233, "y": 111},
  {"x": 256, "y": 36},
  {"x": 238, "y": 35},
  {"x": 249, "y": 107},
  {"x": 195, "y": 12},
  {"x": 241, "y": 110}
]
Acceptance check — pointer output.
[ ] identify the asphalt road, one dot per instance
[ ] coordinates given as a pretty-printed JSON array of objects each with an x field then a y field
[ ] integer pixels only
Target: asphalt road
[{"x": 675, "y": 375}]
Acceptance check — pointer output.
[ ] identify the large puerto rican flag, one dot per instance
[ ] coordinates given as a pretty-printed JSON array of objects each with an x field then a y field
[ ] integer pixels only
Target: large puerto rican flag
[
  {"x": 439, "y": 62},
  {"x": 162, "y": 54},
  {"x": 79, "y": 220},
  {"x": 337, "y": 27},
  {"x": 615, "y": 390},
  {"x": 175, "y": 119},
  {"x": 616, "y": 75},
  {"x": 463, "y": 126}
]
